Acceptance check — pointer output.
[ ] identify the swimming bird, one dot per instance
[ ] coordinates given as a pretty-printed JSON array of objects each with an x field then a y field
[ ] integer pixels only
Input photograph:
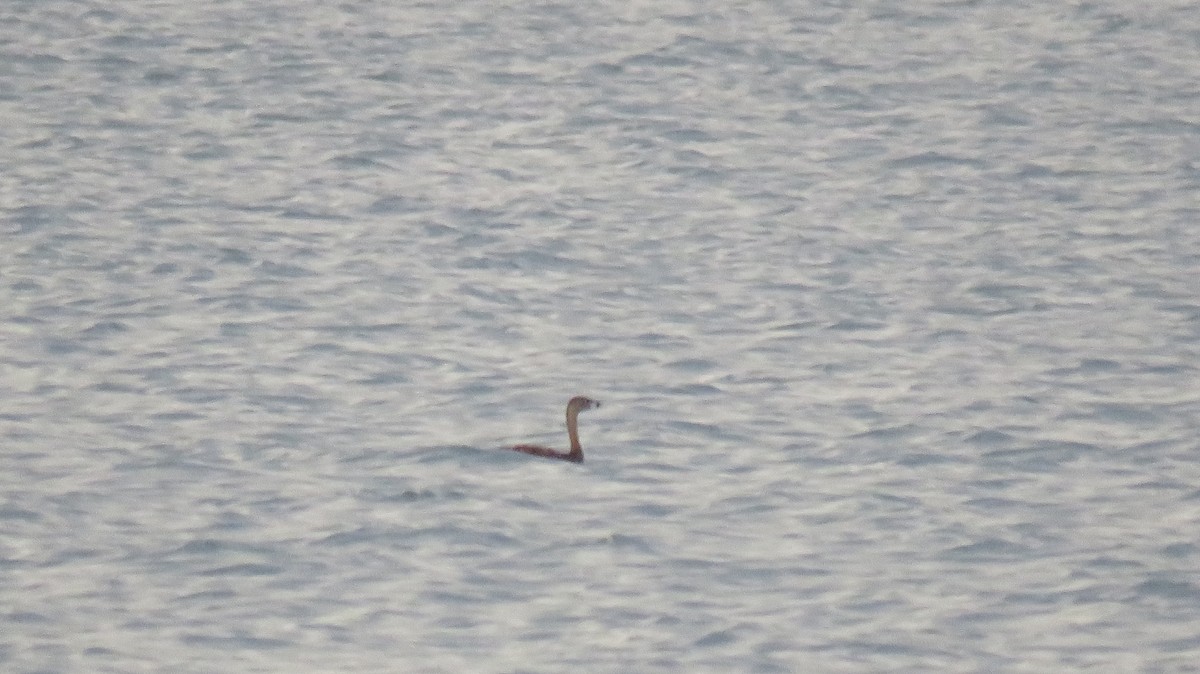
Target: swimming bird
[{"x": 574, "y": 407}]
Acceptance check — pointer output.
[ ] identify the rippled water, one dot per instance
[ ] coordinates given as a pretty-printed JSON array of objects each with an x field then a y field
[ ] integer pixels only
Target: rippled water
[{"x": 893, "y": 311}]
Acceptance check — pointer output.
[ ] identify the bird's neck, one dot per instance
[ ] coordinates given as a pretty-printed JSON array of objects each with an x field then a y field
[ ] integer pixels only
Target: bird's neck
[{"x": 573, "y": 434}]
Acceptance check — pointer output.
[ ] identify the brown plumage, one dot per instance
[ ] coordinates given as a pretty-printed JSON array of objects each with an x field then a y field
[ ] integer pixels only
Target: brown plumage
[{"x": 574, "y": 407}]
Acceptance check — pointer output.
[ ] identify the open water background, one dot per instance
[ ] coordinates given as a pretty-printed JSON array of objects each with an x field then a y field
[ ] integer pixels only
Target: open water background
[{"x": 894, "y": 309}]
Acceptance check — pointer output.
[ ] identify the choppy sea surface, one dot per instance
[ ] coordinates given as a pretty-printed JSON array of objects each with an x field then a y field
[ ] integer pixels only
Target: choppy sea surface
[{"x": 893, "y": 308}]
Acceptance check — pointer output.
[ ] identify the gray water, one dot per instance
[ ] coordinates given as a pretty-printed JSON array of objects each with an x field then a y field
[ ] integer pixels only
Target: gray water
[{"x": 893, "y": 309}]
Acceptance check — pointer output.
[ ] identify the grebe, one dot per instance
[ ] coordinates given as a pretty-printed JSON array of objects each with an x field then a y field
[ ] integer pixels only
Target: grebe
[{"x": 574, "y": 407}]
